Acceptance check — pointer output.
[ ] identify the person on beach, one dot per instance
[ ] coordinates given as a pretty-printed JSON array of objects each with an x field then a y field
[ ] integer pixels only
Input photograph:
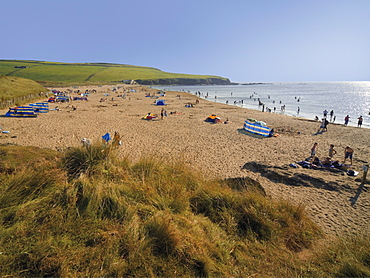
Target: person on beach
[
  {"x": 332, "y": 152},
  {"x": 346, "y": 120},
  {"x": 359, "y": 123},
  {"x": 313, "y": 151},
  {"x": 325, "y": 113},
  {"x": 326, "y": 162},
  {"x": 227, "y": 121},
  {"x": 348, "y": 153},
  {"x": 323, "y": 125},
  {"x": 331, "y": 115},
  {"x": 326, "y": 125}
]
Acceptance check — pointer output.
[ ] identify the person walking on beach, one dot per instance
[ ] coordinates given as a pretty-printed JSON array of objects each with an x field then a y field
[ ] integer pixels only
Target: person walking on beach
[
  {"x": 346, "y": 120},
  {"x": 332, "y": 152},
  {"x": 359, "y": 123},
  {"x": 323, "y": 125},
  {"x": 326, "y": 122},
  {"x": 348, "y": 153},
  {"x": 313, "y": 151}
]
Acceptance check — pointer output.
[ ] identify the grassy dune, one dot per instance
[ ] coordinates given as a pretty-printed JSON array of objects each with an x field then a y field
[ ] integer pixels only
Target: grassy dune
[
  {"x": 16, "y": 90},
  {"x": 53, "y": 73},
  {"x": 86, "y": 213}
]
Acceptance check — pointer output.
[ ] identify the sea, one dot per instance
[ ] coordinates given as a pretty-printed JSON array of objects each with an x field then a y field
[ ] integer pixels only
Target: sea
[{"x": 300, "y": 99}]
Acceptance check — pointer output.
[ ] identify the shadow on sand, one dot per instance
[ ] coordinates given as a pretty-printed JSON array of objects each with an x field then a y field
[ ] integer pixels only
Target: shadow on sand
[
  {"x": 243, "y": 131},
  {"x": 354, "y": 199}
]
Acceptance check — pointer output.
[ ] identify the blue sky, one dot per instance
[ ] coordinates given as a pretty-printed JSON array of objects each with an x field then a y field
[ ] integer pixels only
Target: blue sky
[{"x": 243, "y": 40}]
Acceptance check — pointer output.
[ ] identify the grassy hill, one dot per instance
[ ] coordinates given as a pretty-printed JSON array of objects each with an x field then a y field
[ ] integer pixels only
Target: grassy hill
[
  {"x": 16, "y": 90},
  {"x": 85, "y": 213},
  {"x": 54, "y": 73}
]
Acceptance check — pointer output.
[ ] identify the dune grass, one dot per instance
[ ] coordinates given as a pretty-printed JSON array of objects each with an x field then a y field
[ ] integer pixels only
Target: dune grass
[
  {"x": 19, "y": 89},
  {"x": 85, "y": 212}
]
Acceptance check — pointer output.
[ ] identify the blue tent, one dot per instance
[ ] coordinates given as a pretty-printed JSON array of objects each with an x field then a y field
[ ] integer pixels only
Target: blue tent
[
  {"x": 160, "y": 102},
  {"x": 257, "y": 128}
]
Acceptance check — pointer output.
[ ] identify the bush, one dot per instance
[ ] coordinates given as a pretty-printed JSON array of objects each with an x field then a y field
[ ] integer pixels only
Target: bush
[{"x": 86, "y": 160}]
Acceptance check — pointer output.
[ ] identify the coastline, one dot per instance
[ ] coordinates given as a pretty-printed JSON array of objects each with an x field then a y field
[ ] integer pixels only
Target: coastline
[
  {"x": 333, "y": 199},
  {"x": 300, "y": 99}
]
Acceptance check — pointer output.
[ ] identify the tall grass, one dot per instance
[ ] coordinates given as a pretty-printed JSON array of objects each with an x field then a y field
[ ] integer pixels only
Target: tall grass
[
  {"x": 91, "y": 214},
  {"x": 96, "y": 159},
  {"x": 346, "y": 257},
  {"x": 16, "y": 91}
]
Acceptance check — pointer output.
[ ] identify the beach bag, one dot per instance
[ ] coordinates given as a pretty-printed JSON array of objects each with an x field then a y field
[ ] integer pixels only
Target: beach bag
[{"x": 352, "y": 173}]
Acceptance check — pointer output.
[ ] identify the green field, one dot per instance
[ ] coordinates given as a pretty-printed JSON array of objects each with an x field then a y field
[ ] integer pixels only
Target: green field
[{"x": 54, "y": 73}]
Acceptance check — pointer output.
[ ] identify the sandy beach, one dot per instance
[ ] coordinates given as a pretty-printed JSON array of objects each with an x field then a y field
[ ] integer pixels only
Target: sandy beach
[{"x": 333, "y": 199}]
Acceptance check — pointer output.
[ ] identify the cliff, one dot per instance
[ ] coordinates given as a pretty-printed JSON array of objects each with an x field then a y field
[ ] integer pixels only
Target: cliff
[{"x": 185, "y": 81}]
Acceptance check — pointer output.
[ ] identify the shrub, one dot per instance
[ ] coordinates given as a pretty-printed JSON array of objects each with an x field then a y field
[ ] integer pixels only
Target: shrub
[
  {"x": 88, "y": 160},
  {"x": 162, "y": 235}
]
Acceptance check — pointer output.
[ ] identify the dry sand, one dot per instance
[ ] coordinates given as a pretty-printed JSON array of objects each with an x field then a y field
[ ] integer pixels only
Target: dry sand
[{"x": 334, "y": 200}]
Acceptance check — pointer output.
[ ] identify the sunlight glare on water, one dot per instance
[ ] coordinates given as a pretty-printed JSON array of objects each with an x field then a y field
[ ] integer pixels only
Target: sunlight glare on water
[{"x": 344, "y": 98}]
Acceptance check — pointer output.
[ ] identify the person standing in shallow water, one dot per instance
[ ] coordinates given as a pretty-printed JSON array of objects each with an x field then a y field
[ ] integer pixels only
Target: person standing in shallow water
[
  {"x": 325, "y": 113},
  {"x": 359, "y": 123},
  {"x": 346, "y": 120},
  {"x": 331, "y": 115}
]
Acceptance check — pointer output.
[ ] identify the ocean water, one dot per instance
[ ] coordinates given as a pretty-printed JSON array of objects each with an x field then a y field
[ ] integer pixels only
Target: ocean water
[{"x": 301, "y": 99}]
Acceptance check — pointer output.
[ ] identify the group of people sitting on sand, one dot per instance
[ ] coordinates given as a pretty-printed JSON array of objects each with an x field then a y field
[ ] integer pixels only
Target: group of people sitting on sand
[{"x": 314, "y": 162}]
